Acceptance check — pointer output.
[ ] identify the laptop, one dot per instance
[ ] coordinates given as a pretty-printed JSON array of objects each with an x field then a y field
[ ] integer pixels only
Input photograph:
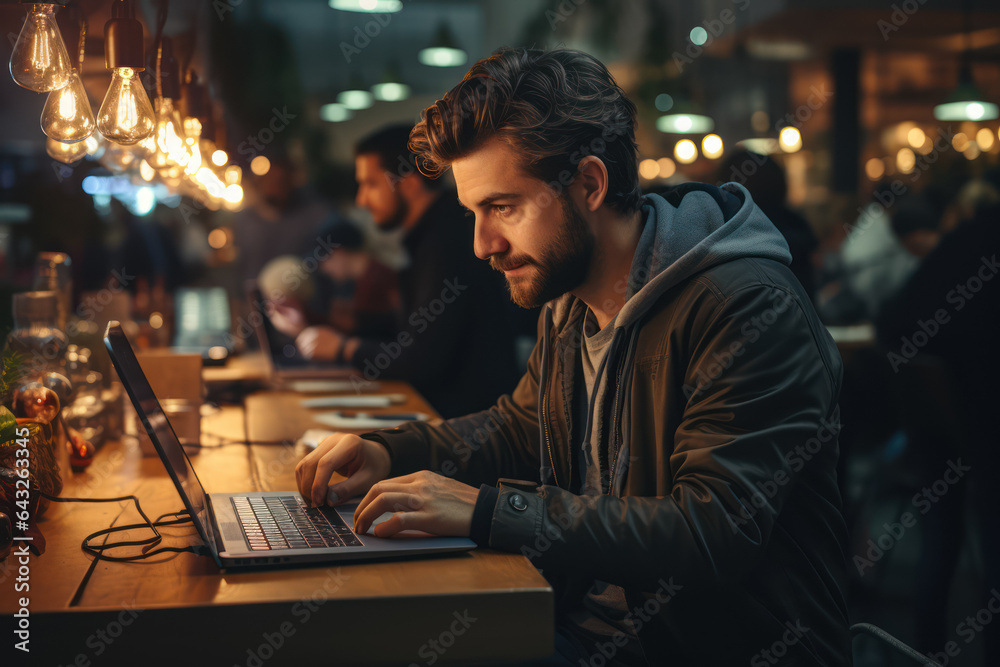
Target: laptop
[
  {"x": 258, "y": 528},
  {"x": 203, "y": 323},
  {"x": 285, "y": 362}
]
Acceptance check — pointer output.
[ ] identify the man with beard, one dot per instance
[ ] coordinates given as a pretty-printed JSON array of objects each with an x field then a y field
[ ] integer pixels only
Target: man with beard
[
  {"x": 668, "y": 460},
  {"x": 454, "y": 343}
]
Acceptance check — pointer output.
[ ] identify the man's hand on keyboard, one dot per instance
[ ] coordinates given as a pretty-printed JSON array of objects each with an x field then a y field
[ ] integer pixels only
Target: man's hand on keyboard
[
  {"x": 362, "y": 462},
  {"x": 423, "y": 501}
]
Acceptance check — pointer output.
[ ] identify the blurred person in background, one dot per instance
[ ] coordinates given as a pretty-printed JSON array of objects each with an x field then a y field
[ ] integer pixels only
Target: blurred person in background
[
  {"x": 767, "y": 184},
  {"x": 873, "y": 262},
  {"x": 916, "y": 222},
  {"x": 949, "y": 311},
  {"x": 282, "y": 217},
  {"x": 453, "y": 340},
  {"x": 346, "y": 288},
  {"x": 149, "y": 253},
  {"x": 358, "y": 293}
]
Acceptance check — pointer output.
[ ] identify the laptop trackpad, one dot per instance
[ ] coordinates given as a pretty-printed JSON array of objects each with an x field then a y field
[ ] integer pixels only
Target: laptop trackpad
[{"x": 347, "y": 512}]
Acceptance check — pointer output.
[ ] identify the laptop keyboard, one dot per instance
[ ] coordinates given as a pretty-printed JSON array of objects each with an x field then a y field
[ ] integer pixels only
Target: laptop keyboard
[{"x": 285, "y": 522}]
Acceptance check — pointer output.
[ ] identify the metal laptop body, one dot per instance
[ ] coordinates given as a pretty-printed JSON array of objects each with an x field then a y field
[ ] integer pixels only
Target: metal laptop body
[
  {"x": 285, "y": 363},
  {"x": 217, "y": 515}
]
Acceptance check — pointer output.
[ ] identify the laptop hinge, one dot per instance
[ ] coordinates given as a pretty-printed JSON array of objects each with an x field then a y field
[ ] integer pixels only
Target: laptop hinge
[{"x": 216, "y": 535}]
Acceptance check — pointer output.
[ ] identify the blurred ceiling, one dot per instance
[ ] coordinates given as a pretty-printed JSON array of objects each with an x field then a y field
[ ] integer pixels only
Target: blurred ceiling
[{"x": 312, "y": 51}]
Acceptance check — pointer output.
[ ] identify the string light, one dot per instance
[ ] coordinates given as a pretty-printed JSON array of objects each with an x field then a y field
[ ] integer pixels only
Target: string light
[
  {"x": 39, "y": 61},
  {"x": 126, "y": 115}
]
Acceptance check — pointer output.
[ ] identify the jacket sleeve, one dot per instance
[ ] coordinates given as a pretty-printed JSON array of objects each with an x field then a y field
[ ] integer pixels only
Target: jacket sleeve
[
  {"x": 762, "y": 383},
  {"x": 479, "y": 448}
]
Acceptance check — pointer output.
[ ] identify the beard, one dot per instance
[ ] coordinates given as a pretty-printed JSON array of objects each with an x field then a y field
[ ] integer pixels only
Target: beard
[
  {"x": 561, "y": 266},
  {"x": 394, "y": 219}
]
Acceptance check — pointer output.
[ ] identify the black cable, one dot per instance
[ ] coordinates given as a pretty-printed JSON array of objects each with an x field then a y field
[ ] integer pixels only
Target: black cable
[
  {"x": 226, "y": 440},
  {"x": 898, "y": 646},
  {"x": 97, "y": 551}
]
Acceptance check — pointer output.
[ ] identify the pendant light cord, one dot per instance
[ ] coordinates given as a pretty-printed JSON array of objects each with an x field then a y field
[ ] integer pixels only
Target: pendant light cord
[
  {"x": 81, "y": 20},
  {"x": 161, "y": 21},
  {"x": 83, "y": 39}
]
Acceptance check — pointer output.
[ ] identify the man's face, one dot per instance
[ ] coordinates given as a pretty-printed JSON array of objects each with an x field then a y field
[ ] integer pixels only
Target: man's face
[
  {"x": 540, "y": 241},
  {"x": 376, "y": 193}
]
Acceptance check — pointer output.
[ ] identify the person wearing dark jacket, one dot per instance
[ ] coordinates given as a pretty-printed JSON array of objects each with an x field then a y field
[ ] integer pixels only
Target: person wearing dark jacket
[
  {"x": 453, "y": 341},
  {"x": 948, "y": 313},
  {"x": 668, "y": 459},
  {"x": 766, "y": 181}
]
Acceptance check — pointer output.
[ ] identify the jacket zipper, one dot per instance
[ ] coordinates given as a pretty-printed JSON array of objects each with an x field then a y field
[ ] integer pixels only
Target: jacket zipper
[
  {"x": 548, "y": 442},
  {"x": 544, "y": 389},
  {"x": 616, "y": 428}
]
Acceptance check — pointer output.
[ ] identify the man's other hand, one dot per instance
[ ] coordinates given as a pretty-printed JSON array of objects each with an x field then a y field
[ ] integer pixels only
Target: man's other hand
[{"x": 423, "y": 501}]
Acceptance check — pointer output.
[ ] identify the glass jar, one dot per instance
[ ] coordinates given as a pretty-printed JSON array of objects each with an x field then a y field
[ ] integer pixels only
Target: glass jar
[
  {"x": 36, "y": 335},
  {"x": 52, "y": 274}
]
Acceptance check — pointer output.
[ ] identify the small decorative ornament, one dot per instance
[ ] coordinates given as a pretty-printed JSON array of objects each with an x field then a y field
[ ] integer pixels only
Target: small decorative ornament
[
  {"x": 81, "y": 452},
  {"x": 36, "y": 402},
  {"x": 6, "y": 536},
  {"x": 60, "y": 384}
]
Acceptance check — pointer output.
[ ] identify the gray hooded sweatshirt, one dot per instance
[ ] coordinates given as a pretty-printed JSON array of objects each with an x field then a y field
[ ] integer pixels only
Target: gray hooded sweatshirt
[{"x": 693, "y": 228}]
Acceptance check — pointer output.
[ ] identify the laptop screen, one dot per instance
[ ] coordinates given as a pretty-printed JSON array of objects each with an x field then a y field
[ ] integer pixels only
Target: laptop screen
[
  {"x": 279, "y": 347},
  {"x": 164, "y": 439},
  {"x": 201, "y": 310}
]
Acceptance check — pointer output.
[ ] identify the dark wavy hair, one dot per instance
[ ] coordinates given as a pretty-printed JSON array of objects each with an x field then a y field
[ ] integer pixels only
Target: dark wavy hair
[{"x": 553, "y": 107}]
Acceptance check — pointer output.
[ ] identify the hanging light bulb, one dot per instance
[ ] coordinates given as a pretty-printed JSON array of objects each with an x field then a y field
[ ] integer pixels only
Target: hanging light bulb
[
  {"x": 192, "y": 130},
  {"x": 66, "y": 153},
  {"x": 117, "y": 158},
  {"x": 126, "y": 115},
  {"x": 67, "y": 116},
  {"x": 171, "y": 141},
  {"x": 39, "y": 61},
  {"x": 170, "y": 146},
  {"x": 146, "y": 147},
  {"x": 96, "y": 145}
]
